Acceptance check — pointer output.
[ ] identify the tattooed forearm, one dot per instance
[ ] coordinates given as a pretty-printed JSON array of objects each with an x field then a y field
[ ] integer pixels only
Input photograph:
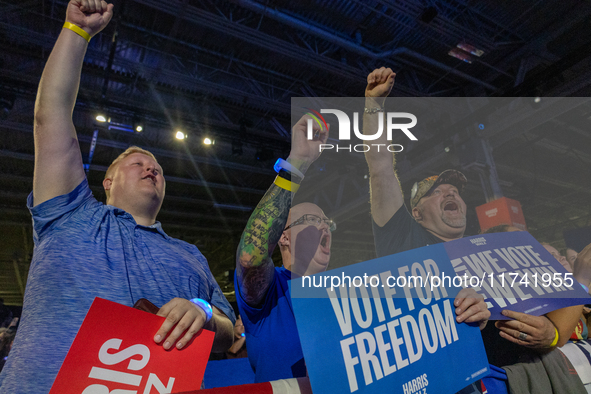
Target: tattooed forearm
[
  {"x": 254, "y": 267},
  {"x": 264, "y": 228},
  {"x": 254, "y": 283}
]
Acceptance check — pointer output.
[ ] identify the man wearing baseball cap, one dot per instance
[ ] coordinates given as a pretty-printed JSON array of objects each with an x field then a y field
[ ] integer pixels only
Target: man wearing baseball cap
[{"x": 438, "y": 213}]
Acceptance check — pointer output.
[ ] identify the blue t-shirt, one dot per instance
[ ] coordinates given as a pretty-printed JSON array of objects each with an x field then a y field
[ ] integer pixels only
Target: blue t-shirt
[
  {"x": 85, "y": 249},
  {"x": 272, "y": 340}
]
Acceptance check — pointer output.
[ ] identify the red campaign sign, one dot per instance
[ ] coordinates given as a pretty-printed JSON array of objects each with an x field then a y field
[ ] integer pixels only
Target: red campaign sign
[{"x": 115, "y": 349}]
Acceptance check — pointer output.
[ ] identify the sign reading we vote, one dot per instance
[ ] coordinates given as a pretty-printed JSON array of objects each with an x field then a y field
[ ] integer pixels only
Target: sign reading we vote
[
  {"x": 386, "y": 329},
  {"x": 114, "y": 352},
  {"x": 513, "y": 271}
]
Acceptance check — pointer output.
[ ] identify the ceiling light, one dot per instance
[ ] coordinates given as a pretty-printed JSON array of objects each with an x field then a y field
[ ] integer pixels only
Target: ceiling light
[
  {"x": 137, "y": 124},
  {"x": 208, "y": 141},
  {"x": 101, "y": 118},
  {"x": 180, "y": 135}
]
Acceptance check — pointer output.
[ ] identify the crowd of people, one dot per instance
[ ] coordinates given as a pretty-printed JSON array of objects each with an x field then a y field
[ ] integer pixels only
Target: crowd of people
[{"x": 133, "y": 258}]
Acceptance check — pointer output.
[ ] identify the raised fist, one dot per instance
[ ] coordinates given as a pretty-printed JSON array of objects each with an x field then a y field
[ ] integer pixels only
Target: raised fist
[
  {"x": 380, "y": 82},
  {"x": 90, "y": 15},
  {"x": 303, "y": 149}
]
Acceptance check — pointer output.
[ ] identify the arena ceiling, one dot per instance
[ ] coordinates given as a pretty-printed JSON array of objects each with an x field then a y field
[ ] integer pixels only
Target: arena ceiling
[{"x": 228, "y": 70}]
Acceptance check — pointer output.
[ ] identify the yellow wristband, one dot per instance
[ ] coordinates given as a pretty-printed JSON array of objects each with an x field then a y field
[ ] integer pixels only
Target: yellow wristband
[
  {"x": 556, "y": 337},
  {"x": 77, "y": 30},
  {"x": 287, "y": 185}
]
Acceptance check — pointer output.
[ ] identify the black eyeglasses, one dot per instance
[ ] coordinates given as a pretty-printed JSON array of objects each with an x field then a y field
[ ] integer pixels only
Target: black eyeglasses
[{"x": 313, "y": 220}]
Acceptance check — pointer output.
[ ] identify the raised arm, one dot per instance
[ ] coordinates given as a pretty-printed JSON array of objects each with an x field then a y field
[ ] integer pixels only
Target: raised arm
[
  {"x": 254, "y": 267},
  {"x": 58, "y": 163},
  {"x": 386, "y": 194}
]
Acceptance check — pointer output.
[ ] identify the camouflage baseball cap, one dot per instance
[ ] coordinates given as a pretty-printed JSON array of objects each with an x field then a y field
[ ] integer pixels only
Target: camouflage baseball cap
[{"x": 427, "y": 185}]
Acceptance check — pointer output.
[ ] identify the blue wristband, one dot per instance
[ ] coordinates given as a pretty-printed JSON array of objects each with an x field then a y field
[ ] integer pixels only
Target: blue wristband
[
  {"x": 205, "y": 306},
  {"x": 287, "y": 166}
]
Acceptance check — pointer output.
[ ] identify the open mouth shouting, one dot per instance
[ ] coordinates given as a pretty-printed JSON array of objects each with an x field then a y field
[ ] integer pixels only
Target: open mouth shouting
[
  {"x": 451, "y": 207},
  {"x": 325, "y": 243},
  {"x": 453, "y": 214}
]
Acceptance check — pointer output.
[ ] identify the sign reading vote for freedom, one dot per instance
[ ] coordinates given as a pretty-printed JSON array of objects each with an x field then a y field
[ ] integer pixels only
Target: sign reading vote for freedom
[
  {"x": 114, "y": 352},
  {"x": 513, "y": 271},
  {"x": 382, "y": 331}
]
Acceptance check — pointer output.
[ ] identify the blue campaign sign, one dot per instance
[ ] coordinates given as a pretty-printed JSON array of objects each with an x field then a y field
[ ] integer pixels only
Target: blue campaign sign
[
  {"x": 513, "y": 271},
  {"x": 385, "y": 331}
]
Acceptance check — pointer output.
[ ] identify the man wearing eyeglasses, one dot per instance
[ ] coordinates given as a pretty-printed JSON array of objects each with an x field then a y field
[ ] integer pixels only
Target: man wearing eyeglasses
[
  {"x": 304, "y": 237},
  {"x": 310, "y": 227}
]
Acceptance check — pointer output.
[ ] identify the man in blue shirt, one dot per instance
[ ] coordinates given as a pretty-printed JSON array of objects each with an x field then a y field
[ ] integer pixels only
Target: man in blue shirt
[
  {"x": 85, "y": 249},
  {"x": 304, "y": 237}
]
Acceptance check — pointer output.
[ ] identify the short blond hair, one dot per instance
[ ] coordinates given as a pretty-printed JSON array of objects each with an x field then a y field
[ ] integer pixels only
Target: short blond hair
[{"x": 129, "y": 151}]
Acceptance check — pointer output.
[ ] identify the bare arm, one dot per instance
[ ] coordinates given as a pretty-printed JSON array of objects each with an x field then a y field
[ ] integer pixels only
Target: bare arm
[
  {"x": 254, "y": 267},
  {"x": 238, "y": 343},
  {"x": 565, "y": 321},
  {"x": 386, "y": 194},
  {"x": 224, "y": 331},
  {"x": 58, "y": 163},
  {"x": 540, "y": 330}
]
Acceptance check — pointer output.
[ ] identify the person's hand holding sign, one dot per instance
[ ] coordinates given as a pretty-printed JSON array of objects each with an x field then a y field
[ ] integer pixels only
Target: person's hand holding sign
[
  {"x": 539, "y": 332},
  {"x": 471, "y": 308},
  {"x": 543, "y": 332},
  {"x": 527, "y": 330},
  {"x": 189, "y": 317}
]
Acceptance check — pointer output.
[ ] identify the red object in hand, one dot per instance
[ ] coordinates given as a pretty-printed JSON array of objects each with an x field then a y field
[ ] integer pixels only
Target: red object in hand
[{"x": 115, "y": 349}]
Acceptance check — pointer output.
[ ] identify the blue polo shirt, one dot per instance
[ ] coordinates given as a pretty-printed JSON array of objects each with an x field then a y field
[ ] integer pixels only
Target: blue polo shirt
[
  {"x": 85, "y": 249},
  {"x": 272, "y": 340}
]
